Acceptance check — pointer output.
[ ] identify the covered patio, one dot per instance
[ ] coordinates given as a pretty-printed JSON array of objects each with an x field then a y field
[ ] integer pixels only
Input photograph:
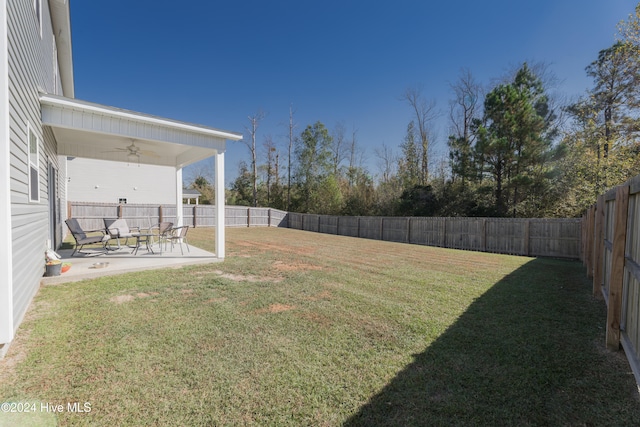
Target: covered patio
[
  {"x": 94, "y": 131},
  {"x": 124, "y": 261}
]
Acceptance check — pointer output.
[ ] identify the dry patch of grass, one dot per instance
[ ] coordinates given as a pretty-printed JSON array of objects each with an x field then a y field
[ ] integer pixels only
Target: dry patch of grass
[
  {"x": 299, "y": 266},
  {"x": 247, "y": 278},
  {"x": 275, "y": 308},
  {"x": 120, "y": 299}
]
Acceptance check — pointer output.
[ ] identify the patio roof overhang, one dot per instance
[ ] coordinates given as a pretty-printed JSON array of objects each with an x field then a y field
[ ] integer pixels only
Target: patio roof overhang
[{"x": 84, "y": 129}]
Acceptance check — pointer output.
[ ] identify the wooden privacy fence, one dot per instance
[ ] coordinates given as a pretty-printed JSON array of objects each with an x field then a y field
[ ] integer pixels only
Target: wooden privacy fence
[
  {"x": 611, "y": 253},
  {"x": 529, "y": 237},
  {"x": 91, "y": 215}
]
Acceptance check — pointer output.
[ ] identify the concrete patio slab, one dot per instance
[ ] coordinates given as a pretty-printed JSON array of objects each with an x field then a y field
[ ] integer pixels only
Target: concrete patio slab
[{"x": 124, "y": 261}]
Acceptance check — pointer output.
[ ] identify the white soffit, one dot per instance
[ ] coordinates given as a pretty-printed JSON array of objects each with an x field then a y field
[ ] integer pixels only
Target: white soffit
[{"x": 84, "y": 129}]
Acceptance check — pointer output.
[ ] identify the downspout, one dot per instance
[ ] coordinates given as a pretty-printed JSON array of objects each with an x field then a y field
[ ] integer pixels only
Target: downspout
[{"x": 6, "y": 253}]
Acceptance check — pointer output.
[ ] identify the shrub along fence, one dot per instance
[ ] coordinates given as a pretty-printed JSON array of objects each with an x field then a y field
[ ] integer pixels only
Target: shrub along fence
[
  {"x": 530, "y": 237},
  {"x": 91, "y": 215},
  {"x": 611, "y": 253}
]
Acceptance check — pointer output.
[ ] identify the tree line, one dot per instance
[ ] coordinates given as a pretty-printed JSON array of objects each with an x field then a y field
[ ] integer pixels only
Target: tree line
[{"x": 513, "y": 150}]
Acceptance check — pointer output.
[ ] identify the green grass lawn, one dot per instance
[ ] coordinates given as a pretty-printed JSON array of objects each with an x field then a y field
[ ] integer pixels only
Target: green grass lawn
[{"x": 299, "y": 328}]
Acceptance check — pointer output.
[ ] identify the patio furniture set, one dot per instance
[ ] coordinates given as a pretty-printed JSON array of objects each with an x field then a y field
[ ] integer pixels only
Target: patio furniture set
[{"x": 116, "y": 229}]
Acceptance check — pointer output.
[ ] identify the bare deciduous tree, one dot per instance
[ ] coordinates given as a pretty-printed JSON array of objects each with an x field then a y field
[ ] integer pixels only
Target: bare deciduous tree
[
  {"x": 464, "y": 109},
  {"x": 386, "y": 162},
  {"x": 425, "y": 112},
  {"x": 355, "y": 157},
  {"x": 466, "y": 104},
  {"x": 338, "y": 148},
  {"x": 272, "y": 164},
  {"x": 292, "y": 126},
  {"x": 254, "y": 122}
]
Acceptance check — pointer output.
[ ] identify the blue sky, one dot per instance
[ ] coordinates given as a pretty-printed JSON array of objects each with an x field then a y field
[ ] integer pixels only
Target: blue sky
[{"x": 216, "y": 62}]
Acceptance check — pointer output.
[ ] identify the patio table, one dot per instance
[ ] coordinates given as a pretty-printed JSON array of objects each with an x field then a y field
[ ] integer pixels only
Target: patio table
[{"x": 143, "y": 238}]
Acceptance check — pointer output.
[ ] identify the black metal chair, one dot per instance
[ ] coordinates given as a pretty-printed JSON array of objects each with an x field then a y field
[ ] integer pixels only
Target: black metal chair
[{"x": 82, "y": 238}]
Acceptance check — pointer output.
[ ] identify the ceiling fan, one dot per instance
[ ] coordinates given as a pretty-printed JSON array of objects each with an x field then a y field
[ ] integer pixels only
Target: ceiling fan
[{"x": 134, "y": 152}]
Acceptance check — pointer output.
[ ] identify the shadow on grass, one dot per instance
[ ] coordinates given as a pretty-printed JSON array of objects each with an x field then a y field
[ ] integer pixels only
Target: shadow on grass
[{"x": 530, "y": 351}]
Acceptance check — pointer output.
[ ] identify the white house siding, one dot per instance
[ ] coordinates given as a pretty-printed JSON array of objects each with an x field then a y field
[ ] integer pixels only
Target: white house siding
[
  {"x": 31, "y": 69},
  {"x": 102, "y": 181}
]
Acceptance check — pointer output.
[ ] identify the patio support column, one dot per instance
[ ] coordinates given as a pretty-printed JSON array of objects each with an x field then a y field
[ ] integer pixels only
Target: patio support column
[
  {"x": 179, "y": 222},
  {"x": 6, "y": 276},
  {"x": 220, "y": 201}
]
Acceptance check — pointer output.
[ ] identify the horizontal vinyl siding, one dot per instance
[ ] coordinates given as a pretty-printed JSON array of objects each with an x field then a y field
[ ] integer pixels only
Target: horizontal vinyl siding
[
  {"x": 29, "y": 225},
  {"x": 30, "y": 71}
]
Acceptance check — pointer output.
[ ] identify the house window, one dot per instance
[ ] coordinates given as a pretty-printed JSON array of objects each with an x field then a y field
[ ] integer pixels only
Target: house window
[{"x": 34, "y": 166}]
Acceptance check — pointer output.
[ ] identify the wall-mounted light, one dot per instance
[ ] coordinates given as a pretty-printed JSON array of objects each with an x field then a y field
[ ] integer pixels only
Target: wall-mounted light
[
  {"x": 135, "y": 188},
  {"x": 97, "y": 186}
]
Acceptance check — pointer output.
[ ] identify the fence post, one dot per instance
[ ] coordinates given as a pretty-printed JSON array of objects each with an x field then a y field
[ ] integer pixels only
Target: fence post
[
  {"x": 588, "y": 242},
  {"x": 444, "y": 232},
  {"x": 598, "y": 252},
  {"x": 583, "y": 241},
  {"x": 527, "y": 237},
  {"x": 248, "y": 217},
  {"x": 269, "y": 217},
  {"x": 614, "y": 309},
  {"x": 409, "y": 230},
  {"x": 484, "y": 235},
  {"x": 382, "y": 228},
  {"x": 195, "y": 221},
  {"x": 160, "y": 214},
  {"x": 590, "y": 233}
]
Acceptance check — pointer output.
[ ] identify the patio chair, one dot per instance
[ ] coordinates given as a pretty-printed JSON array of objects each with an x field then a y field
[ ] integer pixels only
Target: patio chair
[
  {"x": 179, "y": 234},
  {"x": 162, "y": 230},
  {"x": 82, "y": 239},
  {"x": 119, "y": 229}
]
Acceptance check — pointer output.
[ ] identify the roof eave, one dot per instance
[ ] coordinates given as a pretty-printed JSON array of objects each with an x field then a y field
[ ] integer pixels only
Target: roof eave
[
  {"x": 55, "y": 100},
  {"x": 61, "y": 23}
]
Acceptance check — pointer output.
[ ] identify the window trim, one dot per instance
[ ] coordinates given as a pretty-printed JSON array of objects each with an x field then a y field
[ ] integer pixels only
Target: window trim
[{"x": 33, "y": 165}]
